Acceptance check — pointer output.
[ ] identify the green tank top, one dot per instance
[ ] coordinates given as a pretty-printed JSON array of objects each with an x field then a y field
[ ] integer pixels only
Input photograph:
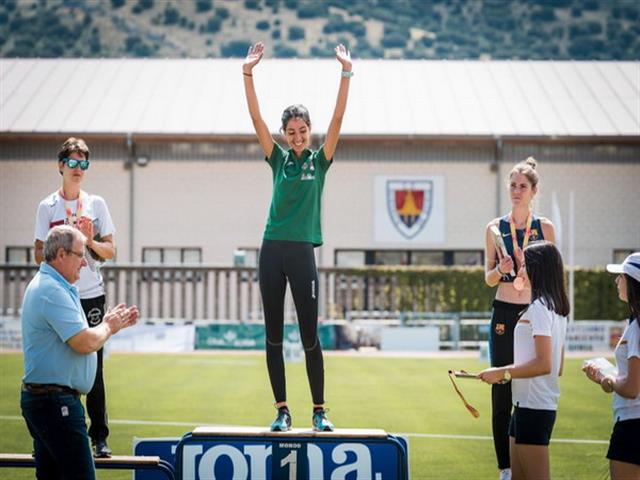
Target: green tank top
[{"x": 297, "y": 195}]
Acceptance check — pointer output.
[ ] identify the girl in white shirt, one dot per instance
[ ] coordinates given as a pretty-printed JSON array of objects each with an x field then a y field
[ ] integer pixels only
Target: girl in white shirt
[
  {"x": 538, "y": 349},
  {"x": 624, "y": 449}
]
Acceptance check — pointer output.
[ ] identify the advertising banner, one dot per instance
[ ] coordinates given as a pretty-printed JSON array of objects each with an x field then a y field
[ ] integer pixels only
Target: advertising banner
[
  {"x": 295, "y": 455},
  {"x": 251, "y": 336}
]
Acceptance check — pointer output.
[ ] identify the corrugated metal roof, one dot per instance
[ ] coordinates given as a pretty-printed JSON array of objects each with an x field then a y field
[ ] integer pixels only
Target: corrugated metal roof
[{"x": 387, "y": 97}]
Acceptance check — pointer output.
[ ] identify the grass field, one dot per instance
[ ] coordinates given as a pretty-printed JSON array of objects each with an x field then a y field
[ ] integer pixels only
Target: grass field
[{"x": 401, "y": 395}]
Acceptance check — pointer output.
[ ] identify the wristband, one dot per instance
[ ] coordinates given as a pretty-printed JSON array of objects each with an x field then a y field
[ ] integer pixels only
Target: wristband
[
  {"x": 498, "y": 269},
  {"x": 346, "y": 74},
  {"x": 247, "y": 74}
]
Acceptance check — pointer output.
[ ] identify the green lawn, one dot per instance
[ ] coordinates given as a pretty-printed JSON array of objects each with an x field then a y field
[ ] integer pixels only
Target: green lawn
[{"x": 405, "y": 395}]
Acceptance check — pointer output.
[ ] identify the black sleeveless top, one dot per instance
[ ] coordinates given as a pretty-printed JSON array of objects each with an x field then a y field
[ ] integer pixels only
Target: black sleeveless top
[{"x": 505, "y": 230}]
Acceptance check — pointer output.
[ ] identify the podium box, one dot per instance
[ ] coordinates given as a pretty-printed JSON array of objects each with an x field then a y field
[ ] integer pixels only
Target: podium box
[{"x": 255, "y": 453}]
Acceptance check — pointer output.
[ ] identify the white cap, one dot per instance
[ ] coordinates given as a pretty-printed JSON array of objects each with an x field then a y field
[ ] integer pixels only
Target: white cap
[{"x": 630, "y": 266}]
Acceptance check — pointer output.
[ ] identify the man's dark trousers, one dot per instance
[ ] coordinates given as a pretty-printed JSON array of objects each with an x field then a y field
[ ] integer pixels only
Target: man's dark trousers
[{"x": 57, "y": 425}]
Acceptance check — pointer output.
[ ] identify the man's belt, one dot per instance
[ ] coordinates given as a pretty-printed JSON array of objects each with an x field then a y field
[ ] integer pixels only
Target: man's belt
[{"x": 44, "y": 388}]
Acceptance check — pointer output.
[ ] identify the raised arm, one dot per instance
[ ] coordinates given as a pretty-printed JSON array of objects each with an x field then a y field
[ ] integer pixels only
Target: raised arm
[
  {"x": 262, "y": 131},
  {"x": 333, "y": 133}
]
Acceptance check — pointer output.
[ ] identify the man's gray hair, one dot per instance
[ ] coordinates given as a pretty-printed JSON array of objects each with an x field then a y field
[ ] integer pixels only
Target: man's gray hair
[{"x": 58, "y": 237}]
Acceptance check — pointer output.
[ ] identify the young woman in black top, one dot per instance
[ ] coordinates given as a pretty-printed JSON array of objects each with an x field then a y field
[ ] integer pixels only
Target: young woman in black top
[{"x": 512, "y": 295}]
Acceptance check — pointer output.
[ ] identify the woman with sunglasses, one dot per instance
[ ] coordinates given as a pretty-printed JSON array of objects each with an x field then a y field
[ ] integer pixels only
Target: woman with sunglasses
[
  {"x": 69, "y": 205},
  {"x": 516, "y": 229},
  {"x": 293, "y": 230},
  {"x": 624, "y": 452},
  {"x": 538, "y": 350}
]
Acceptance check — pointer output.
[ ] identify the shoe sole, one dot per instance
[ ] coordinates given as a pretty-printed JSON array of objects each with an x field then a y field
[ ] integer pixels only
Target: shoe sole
[{"x": 280, "y": 429}]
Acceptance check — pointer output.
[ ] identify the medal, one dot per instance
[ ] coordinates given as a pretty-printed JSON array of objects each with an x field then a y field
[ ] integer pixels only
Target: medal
[
  {"x": 72, "y": 218},
  {"x": 518, "y": 283}
]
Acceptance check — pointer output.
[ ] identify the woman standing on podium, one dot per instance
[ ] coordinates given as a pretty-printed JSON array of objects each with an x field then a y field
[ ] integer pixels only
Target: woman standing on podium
[
  {"x": 514, "y": 231},
  {"x": 293, "y": 231}
]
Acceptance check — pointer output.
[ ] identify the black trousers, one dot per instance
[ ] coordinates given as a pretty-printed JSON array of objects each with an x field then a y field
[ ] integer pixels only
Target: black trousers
[
  {"x": 294, "y": 262},
  {"x": 60, "y": 444},
  {"x": 96, "y": 398},
  {"x": 503, "y": 322}
]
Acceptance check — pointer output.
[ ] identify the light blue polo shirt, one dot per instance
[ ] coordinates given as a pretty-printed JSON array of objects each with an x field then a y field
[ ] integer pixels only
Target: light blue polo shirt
[{"x": 51, "y": 315}]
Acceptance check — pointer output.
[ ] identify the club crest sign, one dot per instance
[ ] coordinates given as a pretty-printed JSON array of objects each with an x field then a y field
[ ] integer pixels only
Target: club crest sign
[
  {"x": 409, "y": 209},
  {"x": 409, "y": 204}
]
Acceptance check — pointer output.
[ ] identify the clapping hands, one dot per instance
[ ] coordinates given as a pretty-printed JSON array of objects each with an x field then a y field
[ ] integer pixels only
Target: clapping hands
[
  {"x": 121, "y": 316},
  {"x": 85, "y": 225}
]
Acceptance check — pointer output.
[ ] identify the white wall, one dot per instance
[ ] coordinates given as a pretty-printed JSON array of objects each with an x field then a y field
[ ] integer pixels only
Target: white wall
[{"x": 222, "y": 205}]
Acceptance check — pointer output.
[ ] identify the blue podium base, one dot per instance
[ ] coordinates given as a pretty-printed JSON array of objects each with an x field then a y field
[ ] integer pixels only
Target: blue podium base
[{"x": 253, "y": 453}]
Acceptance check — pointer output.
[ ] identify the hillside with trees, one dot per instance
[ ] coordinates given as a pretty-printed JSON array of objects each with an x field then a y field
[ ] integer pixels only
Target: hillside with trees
[{"x": 432, "y": 29}]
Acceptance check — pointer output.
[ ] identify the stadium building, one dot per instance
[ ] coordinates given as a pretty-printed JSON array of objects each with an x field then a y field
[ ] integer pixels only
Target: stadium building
[{"x": 420, "y": 169}]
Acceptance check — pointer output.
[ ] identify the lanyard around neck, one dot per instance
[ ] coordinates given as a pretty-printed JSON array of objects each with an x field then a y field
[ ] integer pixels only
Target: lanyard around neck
[
  {"x": 72, "y": 218},
  {"x": 527, "y": 231}
]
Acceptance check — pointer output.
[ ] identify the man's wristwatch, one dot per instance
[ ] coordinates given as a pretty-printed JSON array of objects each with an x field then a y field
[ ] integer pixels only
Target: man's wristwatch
[{"x": 507, "y": 376}]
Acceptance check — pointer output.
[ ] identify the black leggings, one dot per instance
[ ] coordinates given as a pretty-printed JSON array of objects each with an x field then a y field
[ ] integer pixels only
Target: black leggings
[
  {"x": 96, "y": 402},
  {"x": 282, "y": 261},
  {"x": 503, "y": 322}
]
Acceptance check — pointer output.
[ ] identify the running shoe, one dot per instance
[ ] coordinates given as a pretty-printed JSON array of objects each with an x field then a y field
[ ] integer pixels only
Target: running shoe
[
  {"x": 282, "y": 423},
  {"x": 320, "y": 421}
]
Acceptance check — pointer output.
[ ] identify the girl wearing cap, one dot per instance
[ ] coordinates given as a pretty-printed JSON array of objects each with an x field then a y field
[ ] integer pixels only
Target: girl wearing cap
[
  {"x": 89, "y": 213},
  {"x": 512, "y": 295},
  {"x": 293, "y": 230},
  {"x": 624, "y": 453},
  {"x": 539, "y": 338}
]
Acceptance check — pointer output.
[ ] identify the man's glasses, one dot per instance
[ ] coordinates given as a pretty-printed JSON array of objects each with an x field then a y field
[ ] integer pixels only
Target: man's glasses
[
  {"x": 79, "y": 255},
  {"x": 73, "y": 163}
]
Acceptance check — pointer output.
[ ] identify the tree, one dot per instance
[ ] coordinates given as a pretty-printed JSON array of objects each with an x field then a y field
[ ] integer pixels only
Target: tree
[
  {"x": 213, "y": 25},
  {"x": 284, "y": 51},
  {"x": 135, "y": 45},
  {"x": 235, "y": 48},
  {"x": 311, "y": 9},
  {"x": 142, "y": 5},
  {"x": 393, "y": 40},
  {"x": 252, "y": 5},
  {"x": 171, "y": 15},
  {"x": 263, "y": 25},
  {"x": 543, "y": 15},
  {"x": 203, "y": 5},
  {"x": 296, "y": 33},
  {"x": 222, "y": 13}
]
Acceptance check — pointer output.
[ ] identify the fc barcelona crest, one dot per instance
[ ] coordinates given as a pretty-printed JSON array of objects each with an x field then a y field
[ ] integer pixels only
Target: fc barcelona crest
[
  {"x": 409, "y": 204},
  {"x": 499, "y": 328}
]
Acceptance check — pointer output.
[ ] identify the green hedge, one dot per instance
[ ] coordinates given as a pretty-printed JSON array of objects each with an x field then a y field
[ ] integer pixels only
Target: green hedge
[{"x": 462, "y": 289}]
